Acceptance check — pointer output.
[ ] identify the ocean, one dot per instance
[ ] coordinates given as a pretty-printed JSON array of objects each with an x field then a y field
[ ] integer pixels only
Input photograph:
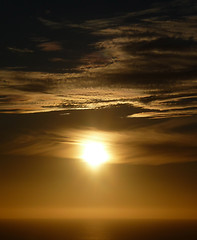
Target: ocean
[{"x": 98, "y": 229}]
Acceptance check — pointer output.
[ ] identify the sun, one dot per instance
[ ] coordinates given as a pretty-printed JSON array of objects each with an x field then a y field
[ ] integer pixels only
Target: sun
[{"x": 95, "y": 154}]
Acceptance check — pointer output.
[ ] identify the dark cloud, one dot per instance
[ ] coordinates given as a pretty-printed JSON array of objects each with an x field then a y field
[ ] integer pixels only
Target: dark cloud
[
  {"x": 12, "y": 98},
  {"x": 50, "y": 46},
  {"x": 164, "y": 44},
  {"x": 17, "y": 50},
  {"x": 39, "y": 87},
  {"x": 57, "y": 60}
]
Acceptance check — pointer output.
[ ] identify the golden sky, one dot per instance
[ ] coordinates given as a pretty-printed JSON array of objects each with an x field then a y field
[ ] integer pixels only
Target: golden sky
[{"x": 116, "y": 82}]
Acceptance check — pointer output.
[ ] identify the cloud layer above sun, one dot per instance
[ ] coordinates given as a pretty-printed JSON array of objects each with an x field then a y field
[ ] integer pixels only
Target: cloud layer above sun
[{"x": 145, "y": 58}]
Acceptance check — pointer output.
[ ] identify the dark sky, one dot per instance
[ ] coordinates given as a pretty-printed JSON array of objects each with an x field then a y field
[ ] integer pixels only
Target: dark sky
[{"x": 123, "y": 73}]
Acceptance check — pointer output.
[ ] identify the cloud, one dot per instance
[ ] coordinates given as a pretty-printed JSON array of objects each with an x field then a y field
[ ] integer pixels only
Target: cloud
[
  {"x": 165, "y": 114},
  {"x": 41, "y": 92},
  {"x": 19, "y": 50},
  {"x": 50, "y": 23},
  {"x": 145, "y": 58},
  {"x": 57, "y": 59},
  {"x": 50, "y": 46}
]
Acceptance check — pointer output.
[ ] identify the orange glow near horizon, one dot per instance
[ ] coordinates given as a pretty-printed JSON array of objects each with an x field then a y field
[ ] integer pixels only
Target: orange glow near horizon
[{"x": 97, "y": 213}]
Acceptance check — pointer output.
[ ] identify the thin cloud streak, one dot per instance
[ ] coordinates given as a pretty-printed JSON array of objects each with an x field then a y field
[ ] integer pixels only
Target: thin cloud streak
[{"x": 40, "y": 92}]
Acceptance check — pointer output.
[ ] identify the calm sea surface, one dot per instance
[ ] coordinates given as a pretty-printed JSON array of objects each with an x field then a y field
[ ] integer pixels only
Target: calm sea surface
[{"x": 98, "y": 229}]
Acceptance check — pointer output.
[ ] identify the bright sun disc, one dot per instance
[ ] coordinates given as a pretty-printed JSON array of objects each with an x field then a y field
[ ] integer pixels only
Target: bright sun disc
[{"x": 94, "y": 153}]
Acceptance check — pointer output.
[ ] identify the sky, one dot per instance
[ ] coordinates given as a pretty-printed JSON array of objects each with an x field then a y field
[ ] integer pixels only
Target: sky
[{"x": 119, "y": 73}]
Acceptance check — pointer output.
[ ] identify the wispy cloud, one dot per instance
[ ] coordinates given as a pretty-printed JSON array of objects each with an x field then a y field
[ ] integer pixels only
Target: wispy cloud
[
  {"x": 47, "y": 92},
  {"x": 19, "y": 50},
  {"x": 50, "y": 46},
  {"x": 50, "y": 23},
  {"x": 57, "y": 59},
  {"x": 144, "y": 58}
]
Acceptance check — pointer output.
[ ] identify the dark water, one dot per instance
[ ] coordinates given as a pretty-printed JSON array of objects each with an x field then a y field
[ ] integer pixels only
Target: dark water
[{"x": 98, "y": 229}]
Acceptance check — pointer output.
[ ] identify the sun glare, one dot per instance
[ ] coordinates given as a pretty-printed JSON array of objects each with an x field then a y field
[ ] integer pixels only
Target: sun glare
[{"x": 95, "y": 154}]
